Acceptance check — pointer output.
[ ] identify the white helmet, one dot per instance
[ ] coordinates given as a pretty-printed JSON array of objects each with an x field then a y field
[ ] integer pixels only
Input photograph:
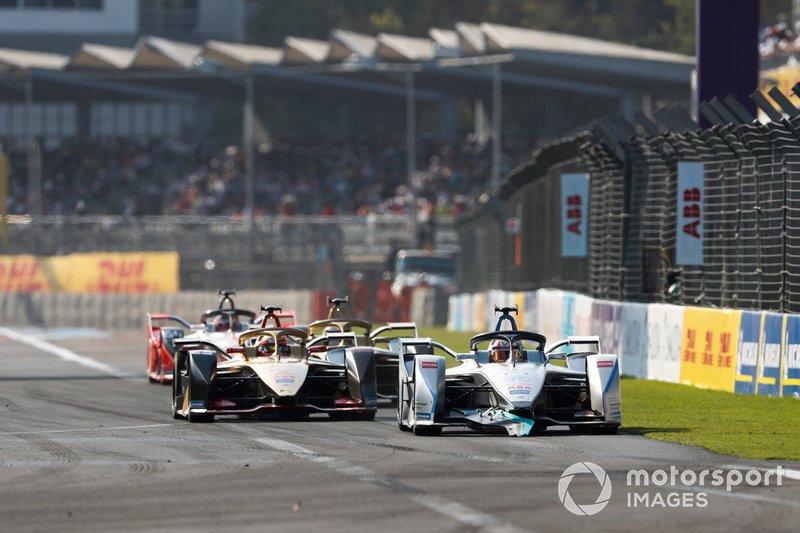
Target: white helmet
[{"x": 498, "y": 350}]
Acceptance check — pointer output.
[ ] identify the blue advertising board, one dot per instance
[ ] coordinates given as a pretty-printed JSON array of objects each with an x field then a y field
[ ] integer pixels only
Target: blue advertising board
[
  {"x": 770, "y": 355},
  {"x": 790, "y": 373},
  {"x": 747, "y": 356},
  {"x": 574, "y": 214}
]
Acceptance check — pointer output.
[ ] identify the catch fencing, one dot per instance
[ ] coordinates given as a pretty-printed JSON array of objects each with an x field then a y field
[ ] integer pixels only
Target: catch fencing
[{"x": 750, "y": 217}]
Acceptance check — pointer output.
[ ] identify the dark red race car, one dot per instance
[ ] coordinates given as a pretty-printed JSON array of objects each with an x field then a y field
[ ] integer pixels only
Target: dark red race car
[{"x": 163, "y": 329}]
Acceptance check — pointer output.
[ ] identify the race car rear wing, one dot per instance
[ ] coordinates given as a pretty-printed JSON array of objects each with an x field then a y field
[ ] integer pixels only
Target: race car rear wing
[
  {"x": 572, "y": 341},
  {"x": 393, "y": 327}
]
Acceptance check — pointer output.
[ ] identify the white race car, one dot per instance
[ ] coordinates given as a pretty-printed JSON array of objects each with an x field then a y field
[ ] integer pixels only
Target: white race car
[{"x": 516, "y": 385}]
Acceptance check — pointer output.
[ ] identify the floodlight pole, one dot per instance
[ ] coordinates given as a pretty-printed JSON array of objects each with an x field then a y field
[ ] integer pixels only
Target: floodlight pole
[
  {"x": 494, "y": 61},
  {"x": 249, "y": 170},
  {"x": 249, "y": 155},
  {"x": 496, "y": 120},
  {"x": 411, "y": 131},
  {"x": 34, "y": 168}
]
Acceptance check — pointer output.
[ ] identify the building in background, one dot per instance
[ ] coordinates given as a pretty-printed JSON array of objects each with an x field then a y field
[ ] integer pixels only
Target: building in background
[{"x": 63, "y": 26}]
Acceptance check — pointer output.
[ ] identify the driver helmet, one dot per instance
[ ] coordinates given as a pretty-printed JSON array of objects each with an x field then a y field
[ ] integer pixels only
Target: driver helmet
[
  {"x": 327, "y": 331},
  {"x": 499, "y": 352},
  {"x": 222, "y": 323},
  {"x": 266, "y": 347}
]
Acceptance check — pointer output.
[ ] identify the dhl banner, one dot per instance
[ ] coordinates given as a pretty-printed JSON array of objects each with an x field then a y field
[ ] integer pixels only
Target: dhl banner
[
  {"x": 91, "y": 273},
  {"x": 708, "y": 347}
]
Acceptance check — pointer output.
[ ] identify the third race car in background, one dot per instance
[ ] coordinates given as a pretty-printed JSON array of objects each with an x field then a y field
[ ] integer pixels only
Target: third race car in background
[{"x": 328, "y": 335}]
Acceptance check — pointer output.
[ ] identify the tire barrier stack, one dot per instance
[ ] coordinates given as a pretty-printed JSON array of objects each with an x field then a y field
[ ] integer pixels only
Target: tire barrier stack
[{"x": 747, "y": 352}]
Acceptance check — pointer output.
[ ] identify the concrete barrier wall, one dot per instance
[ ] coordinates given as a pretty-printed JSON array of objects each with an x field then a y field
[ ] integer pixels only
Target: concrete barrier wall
[
  {"x": 750, "y": 352},
  {"x": 128, "y": 311}
]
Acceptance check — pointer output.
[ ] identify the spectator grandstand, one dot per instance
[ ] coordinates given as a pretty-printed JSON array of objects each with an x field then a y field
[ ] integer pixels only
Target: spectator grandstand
[{"x": 125, "y": 177}]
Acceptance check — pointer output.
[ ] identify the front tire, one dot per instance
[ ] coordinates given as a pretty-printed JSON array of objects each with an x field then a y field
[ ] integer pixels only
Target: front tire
[{"x": 194, "y": 417}]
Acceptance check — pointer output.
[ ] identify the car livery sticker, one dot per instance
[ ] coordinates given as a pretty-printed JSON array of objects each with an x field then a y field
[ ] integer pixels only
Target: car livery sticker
[
  {"x": 430, "y": 364},
  {"x": 424, "y": 416},
  {"x": 605, "y": 364},
  {"x": 284, "y": 379},
  {"x": 197, "y": 403}
]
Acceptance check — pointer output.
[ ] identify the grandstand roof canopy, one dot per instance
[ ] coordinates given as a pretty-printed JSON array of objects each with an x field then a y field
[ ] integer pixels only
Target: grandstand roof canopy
[{"x": 352, "y": 61}]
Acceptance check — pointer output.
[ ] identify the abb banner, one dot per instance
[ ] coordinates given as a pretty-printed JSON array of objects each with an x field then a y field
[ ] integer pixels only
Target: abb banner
[
  {"x": 574, "y": 214},
  {"x": 129, "y": 273},
  {"x": 689, "y": 248}
]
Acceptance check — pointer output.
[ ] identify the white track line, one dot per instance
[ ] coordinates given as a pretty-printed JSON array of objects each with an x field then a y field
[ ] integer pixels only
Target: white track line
[
  {"x": 785, "y": 472},
  {"x": 63, "y": 353},
  {"x": 461, "y": 513},
  {"x": 82, "y": 430}
]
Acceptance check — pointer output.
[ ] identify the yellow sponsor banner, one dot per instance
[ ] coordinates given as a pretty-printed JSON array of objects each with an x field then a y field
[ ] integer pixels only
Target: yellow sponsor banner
[
  {"x": 132, "y": 272},
  {"x": 519, "y": 300},
  {"x": 708, "y": 347},
  {"x": 478, "y": 307}
]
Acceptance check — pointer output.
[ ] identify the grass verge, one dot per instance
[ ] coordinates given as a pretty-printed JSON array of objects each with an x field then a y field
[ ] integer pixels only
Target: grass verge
[{"x": 756, "y": 427}]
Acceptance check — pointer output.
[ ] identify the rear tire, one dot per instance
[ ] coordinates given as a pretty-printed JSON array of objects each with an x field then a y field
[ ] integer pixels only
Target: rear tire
[{"x": 175, "y": 385}]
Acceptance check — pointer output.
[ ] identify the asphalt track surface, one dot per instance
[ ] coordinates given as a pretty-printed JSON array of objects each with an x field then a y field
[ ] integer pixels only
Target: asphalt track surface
[{"x": 87, "y": 444}]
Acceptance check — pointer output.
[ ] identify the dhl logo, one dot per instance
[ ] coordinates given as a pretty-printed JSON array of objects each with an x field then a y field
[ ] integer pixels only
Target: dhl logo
[
  {"x": 95, "y": 273},
  {"x": 22, "y": 275},
  {"x": 122, "y": 276}
]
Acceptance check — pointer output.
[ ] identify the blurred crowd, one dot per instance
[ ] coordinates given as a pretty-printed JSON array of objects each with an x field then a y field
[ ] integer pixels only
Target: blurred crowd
[
  {"x": 125, "y": 177},
  {"x": 778, "y": 39}
]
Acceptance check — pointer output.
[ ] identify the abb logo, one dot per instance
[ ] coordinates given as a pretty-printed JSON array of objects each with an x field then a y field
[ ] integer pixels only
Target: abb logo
[
  {"x": 21, "y": 275},
  {"x": 692, "y": 210},
  {"x": 574, "y": 213},
  {"x": 122, "y": 276}
]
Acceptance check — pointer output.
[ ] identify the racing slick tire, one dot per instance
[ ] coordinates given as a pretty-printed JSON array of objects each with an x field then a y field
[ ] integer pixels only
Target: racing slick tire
[
  {"x": 194, "y": 417},
  {"x": 175, "y": 385},
  {"x": 150, "y": 378},
  {"x": 427, "y": 431}
]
